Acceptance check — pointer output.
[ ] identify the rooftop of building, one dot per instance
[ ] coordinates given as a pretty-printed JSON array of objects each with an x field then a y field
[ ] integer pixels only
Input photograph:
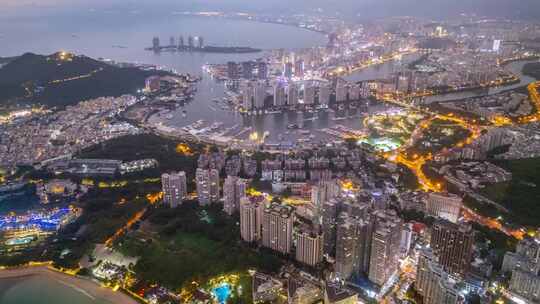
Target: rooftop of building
[
  {"x": 284, "y": 211},
  {"x": 259, "y": 199},
  {"x": 179, "y": 173},
  {"x": 445, "y": 224},
  {"x": 336, "y": 292}
]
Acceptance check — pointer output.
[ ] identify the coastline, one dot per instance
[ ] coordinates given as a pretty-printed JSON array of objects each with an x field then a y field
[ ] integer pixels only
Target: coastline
[
  {"x": 86, "y": 286},
  {"x": 236, "y": 17},
  {"x": 286, "y": 24}
]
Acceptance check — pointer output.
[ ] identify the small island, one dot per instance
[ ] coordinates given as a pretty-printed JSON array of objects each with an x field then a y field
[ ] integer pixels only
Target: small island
[{"x": 196, "y": 44}]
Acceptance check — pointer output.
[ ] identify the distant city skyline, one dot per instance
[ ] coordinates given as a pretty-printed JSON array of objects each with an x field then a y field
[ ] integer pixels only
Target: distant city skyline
[{"x": 364, "y": 9}]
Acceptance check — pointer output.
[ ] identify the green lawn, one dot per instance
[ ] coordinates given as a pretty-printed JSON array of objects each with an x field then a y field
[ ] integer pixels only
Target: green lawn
[{"x": 188, "y": 248}]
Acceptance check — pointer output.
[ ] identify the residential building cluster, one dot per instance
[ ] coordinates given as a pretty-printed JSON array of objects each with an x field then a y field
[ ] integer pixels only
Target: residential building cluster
[
  {"x": 96, "y": 167},
  {"x": 257, "y": 95},
  {"x": 524, "y": 143},
  {"x": 64, "y": 132},
  {"x": 523, "y": 266},
  {"x": 491, "y": 107},
  {"x": 479, "y": 148},
  {"x": 290, "y": 168},
  {"x": 174, "y": 188},
  {"x": 474, "y": 175},
  {"x": 138, "y": 165}
]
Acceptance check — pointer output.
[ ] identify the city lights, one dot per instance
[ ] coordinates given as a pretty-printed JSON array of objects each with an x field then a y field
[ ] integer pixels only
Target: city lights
[
  {"x": 43, "y": 220},
  {"x": 184, "y": 149},
  {"x": 322, "y": 159}
]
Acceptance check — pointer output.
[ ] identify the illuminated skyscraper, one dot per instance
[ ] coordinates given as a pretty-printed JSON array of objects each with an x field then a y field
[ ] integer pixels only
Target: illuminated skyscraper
[
  {"x": 406, "y": 239},
  {"x": 346, "y": 244},
  {"x": 260, "y": 94},
  {"x": 309, "y": 246},
  {"x": 524, "y": 265},
  {"x": 251, "y": 209},
  {"x": 433, "y": 283},
  {"x": 354, "y": 92},
  {"x": 247, "y": 70},
  {"x": 365, "y": 90},
  {"x": 384, "y": 246},
  {"x": 402, "y": 83},
  {"x": 181, "y": 42},
  {"x": 529, "y": 248},
  {"x": 277, "y": 227},
  {"x": 440, "y": 31},
  {"x": 324, "y": 191},
  {"x": 232, "y": 70},
  {"x": 207, "y": 186},
  {"x": 248, "y": 95},
  {"x": 288, "y": 70},
  {"x": 200, "y": 39},
  {"x": 453, "y": 245},
  {"x": 155, "y": 44},
  {"x": 174, "y": 188},
  {"x": 292, "y": 95},
  {"x": 324, "y": 94},
  {"x": 341, "y": 91},
  {"x": 262, "y": 70},
  {"x": 364, "y": 232},
  {"x": 214, "y": 185},
  {"x": 234, "y": 189},
  {"x": 329, "y": 225},
  {"x": 299, "y": 68},
  {"x": 279, "y": 95},
  {"x": 526, "y": 284},
  {"x": 309, "y": 94}
]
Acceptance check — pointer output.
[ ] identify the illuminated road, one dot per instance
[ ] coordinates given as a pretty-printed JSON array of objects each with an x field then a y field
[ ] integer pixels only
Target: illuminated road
[
  {"x": 415, "y": 164},
  {"x": 535, "y": 98},
  {"x": 152, "y": 199},
  {"x": 90, "y": 74},
  {"x": 470, "y": 215},
  {"x": 340, "y": 71},
  {"x": 126, "y": 227}
]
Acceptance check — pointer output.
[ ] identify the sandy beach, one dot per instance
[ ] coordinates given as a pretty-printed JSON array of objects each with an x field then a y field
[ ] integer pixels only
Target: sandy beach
[{"x": 86, "y": 286}]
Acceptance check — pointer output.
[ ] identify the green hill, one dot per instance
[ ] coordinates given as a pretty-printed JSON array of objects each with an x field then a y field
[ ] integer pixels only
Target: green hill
[{"x": 63, "y": 79}]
